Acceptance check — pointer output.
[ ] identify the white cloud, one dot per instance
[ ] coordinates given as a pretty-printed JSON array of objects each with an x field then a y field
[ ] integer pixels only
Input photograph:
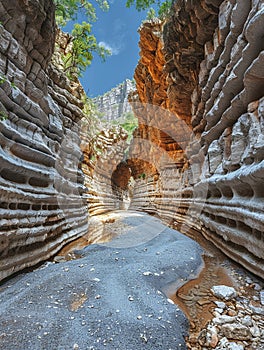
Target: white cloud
[
  {"x": 119, "y": 27},
  {"x": 115, "y": 50}
]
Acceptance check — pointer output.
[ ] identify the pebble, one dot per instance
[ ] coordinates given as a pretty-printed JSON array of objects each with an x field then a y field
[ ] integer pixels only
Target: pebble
[
  {"x": 236, "y": 331},
  {"x": 218, "y": 310},
  {"x": 261, "y": 295},
  {"x": 237, "y": 325},
  {"x": 235, "y": 346},
  {"x": 147, "y": 273},
  {"x": 224, "y": 292},
  {"x": 231, "y": 313},
  {"x": 214, "y": 340},
  {"x": 255, "y": 331},
  {"x": 170, "y": 301},
  {"x": 224, "y": 319},
  {"x": 247, "y": 321},
  {"x": 248, "y": 280},
  {"x": 257, "y": 287},
  {"x": 220, "y": 304},
  {"x": 257, "y": 310}
]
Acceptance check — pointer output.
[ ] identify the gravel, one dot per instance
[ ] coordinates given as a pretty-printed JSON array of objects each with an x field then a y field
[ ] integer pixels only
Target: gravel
[{"x": 110, "y": 298}]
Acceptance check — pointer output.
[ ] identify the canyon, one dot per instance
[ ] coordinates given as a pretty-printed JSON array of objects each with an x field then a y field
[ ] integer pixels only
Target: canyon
[{"x": 195, "y": 161}]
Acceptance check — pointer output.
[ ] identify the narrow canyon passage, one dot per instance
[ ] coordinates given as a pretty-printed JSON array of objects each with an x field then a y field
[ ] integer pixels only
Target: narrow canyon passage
[{"x": 135, "y": 219}]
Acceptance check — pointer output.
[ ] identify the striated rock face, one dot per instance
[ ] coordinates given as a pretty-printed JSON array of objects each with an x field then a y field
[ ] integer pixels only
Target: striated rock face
[
  {"x": 205, "y": 67},
  {"x": 114, "y": 104},
  {"x": 41, "y": 181},
  {"x": 105, "y": 169}
]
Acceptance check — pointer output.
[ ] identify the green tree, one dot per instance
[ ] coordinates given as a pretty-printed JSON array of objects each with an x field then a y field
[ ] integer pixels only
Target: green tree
[
  {"x": 129, "y": 123},
  {"x": 82, "y": 44},
  {"x": 163, "y": 7},
  {"x": 151, "y": 14}
]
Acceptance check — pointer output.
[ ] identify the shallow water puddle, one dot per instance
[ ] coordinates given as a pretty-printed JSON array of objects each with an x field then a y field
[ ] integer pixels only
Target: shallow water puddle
[{"x": 195, "y": 298}]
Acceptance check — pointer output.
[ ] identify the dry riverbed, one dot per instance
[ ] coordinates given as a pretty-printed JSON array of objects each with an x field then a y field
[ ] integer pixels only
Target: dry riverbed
[{"x": 128, "y": 291}]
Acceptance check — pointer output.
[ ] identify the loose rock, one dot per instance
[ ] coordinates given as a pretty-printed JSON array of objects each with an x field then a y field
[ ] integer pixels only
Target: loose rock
[{"x": 224, "y": 292}]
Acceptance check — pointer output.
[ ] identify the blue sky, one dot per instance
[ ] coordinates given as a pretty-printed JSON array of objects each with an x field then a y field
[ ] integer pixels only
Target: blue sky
[{"x": 117, "y": 30}]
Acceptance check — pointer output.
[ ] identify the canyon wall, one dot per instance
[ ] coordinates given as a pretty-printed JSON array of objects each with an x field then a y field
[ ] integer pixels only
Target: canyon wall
[
  {"x": 105, "y": 169},
  {"x": 198, "y": 154},
  {"x": 41, "y": 181},
  {"x": 114, "y": 105}
]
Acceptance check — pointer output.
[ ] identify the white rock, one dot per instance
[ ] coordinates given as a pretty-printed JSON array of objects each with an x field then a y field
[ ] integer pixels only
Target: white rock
[
  {"x": 255, "y": 331},
  {"x": 247, "y": 321},
  {"x": 257, "y": 310},
  {"x": 147, "y": 273},
  {"x": 249, "y": 280},
  {"x": 224, "y": 319},
  {"x": 235, "y": 346},
  {"x": 220, "y": 311},
  {"x": 261, "y": 295},
  {"x": 223, "y": 343},
  {"x": 220, "y": 304},
  {"x": 224, "y": 292},
  {"x": 257, "y": 287}
]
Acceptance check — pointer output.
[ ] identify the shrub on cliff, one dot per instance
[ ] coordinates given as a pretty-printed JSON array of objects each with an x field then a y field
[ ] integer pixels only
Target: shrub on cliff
[
  {"x": 82, "y": 43},
  {"x": 163, "y": 7}
]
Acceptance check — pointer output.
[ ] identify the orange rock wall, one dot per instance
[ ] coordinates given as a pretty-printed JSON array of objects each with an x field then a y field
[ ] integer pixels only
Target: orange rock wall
[
  {"x": 203, "y": 157},
  {"x": 103, "y": 156}
]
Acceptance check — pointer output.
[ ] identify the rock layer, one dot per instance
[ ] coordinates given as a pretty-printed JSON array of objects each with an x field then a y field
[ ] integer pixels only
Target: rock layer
[
  {"x": 40, "y": 177},
  {"x": 103, "y": 159},
  {"x": 210, "y": 81},
  {"x": 114, "y": 105}
]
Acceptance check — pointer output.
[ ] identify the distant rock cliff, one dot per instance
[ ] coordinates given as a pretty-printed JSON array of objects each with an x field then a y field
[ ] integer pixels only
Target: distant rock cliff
[{"x": 114, "y": 104}]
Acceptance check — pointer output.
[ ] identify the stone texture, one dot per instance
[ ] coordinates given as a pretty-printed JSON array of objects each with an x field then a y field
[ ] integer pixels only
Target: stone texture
[
  {"x": 114, "y": 105},
  {"x": 41, "y": 183},
  {"x": 224, "y": 292},
  {"x": 209, "y": 78},
  {"x": 105, "y": 171},
  {"x": 77, "y": 305},
  {"x": 236, "y": 331}
]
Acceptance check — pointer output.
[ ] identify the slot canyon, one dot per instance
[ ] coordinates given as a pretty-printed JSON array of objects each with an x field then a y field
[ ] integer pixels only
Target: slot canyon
[{"x": 152, "y": 239}]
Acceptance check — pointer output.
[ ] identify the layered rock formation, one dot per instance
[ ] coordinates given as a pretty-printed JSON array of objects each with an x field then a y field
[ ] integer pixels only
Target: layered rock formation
[
  {"x": 40, "y": 176},
  {"x": 114, "y": 105},
  {"x": 197, "y": 156},
  {"x": 202, "y": 157},
  {"x": 105, "y": 170}
]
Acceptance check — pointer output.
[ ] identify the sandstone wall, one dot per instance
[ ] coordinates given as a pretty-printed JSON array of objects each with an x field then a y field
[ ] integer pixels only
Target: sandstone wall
[
  {"x": 210, "y": 80},
  {"x": 41, "y": 181},
  {"x": 105, "y": 170}
]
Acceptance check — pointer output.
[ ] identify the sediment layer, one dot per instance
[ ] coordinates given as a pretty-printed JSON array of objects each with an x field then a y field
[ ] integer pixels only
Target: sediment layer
[{"x": 210, "y": 80}]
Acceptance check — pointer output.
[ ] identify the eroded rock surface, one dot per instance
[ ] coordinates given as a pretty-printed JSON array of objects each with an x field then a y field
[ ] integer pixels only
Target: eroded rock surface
[
  {"x": 103, "y": 157},
  {"x": 202, "y": 157},
  {"x": 114, "y": 105},
  {"x": 40, "y": 176}
]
